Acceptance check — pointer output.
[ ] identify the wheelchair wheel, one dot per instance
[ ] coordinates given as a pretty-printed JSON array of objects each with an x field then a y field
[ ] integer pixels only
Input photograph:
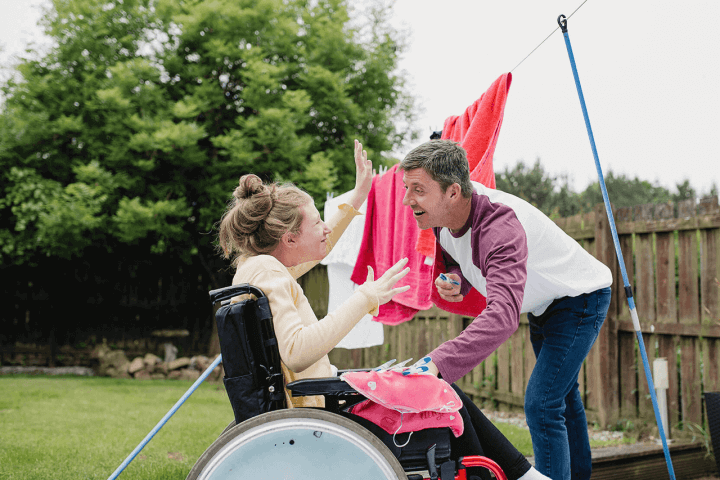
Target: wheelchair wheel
[
  {"x": 297, "y": 443},
  {"x": 230, "y": 425}
]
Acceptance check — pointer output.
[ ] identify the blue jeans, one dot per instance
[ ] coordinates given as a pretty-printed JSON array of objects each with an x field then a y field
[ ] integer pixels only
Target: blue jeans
[{"x": 561, "y": 338}]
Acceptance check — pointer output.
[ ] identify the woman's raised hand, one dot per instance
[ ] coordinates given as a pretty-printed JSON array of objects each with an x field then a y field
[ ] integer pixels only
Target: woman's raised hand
[
  {"x": 363, "y": 176},
  {"x": 383, "y": 286}
]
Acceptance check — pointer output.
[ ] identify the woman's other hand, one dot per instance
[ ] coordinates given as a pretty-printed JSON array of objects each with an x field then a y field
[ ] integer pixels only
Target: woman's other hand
[
  {"x": 383, "y": 286},
  {"x": 363, "y": 177}
]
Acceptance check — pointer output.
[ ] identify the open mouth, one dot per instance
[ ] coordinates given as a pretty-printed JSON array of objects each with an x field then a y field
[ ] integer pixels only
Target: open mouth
[{"x": 417, "y": 213}]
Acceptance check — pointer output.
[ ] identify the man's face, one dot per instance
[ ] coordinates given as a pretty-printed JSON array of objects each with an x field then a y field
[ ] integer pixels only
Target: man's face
[{"x": 426, "y": 198}]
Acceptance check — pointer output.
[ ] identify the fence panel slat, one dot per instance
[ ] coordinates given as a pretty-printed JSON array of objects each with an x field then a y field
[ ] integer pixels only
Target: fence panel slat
[
  {"x": 503, "y": 368},
  {"x": 690, "y": 378},
  {"x": 340, "y": 357},
  {"x": 644, "y": 288},
  {"x": 626, "y": 245},
  {"x": 628, "y": 375},
  {"x": 517, "y": 362},
  {"x": 422, "y": 334},
  {"x": 623, "y": 215},
  {"x": 667, "y": 348},
  {"x": 711, "y": 367},
  {"x": 645, "y": 407},
  {"x": 710, "y": 275},
  {"x": 688, "y": 268},
  {"x": 475, "y": 378},
  {"x": 665, "y": 264},
  {"x": 529, "y": 357},
  {"x": 490, "y": 376}
]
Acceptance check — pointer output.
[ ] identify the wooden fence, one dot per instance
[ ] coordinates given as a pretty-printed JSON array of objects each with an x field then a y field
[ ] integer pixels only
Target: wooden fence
[
  {"x": 53, "y": 313},
  {"x": 672, "y": 256}
]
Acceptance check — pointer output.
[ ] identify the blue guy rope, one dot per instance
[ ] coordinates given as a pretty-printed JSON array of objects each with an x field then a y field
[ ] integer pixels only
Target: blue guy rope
[
  {"x": 562, "y": 21},
  {"x": 164, "y": 420}
]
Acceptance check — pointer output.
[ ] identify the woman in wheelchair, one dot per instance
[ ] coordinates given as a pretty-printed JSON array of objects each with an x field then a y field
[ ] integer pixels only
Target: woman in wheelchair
[{"x": 274, "y": 234}]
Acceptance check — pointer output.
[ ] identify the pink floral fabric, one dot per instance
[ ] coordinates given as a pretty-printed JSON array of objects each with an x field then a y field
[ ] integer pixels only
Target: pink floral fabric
[{"x": 404, "y": 403}]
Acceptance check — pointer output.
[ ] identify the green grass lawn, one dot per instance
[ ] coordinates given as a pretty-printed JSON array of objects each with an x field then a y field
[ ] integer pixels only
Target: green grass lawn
[{"x": 84, "y": 427}]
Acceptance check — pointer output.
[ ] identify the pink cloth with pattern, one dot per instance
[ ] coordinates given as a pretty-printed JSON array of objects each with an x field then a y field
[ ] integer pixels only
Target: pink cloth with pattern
[
  {"x": 405, "y": 403},
  {"x": 477, "y": 130},
  {"x": 390, "y": 234}
]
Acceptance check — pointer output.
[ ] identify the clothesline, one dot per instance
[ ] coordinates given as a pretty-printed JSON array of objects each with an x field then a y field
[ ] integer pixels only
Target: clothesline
[
  {"x": 381, "y": 170},
  {"x": 556, "y": 28}
]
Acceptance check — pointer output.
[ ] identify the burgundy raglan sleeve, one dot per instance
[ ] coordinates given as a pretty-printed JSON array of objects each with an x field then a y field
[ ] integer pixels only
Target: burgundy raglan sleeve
[{"x": 499, "y": 250}]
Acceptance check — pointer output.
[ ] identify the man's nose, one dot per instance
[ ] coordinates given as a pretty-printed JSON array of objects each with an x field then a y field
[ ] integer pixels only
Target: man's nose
[{"x": 406, "y": 198}]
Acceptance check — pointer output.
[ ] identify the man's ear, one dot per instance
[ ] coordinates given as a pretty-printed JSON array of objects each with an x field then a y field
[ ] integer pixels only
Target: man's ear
[{"x": 455, "y": 191}]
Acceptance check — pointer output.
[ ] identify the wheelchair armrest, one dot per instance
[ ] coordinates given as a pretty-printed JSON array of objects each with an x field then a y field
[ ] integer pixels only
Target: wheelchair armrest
[
  {"x": 226, "y": 293},
  {"x": 340, "y": 372},
  {"x": 320, "y": 386}
]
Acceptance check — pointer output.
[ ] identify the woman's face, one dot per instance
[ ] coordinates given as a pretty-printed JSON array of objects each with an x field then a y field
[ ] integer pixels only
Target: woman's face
[{"x": 312, "y": 239}]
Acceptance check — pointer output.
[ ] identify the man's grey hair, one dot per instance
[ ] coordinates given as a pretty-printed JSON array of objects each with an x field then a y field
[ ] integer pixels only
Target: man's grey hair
[{"x": 445, "y": 161}]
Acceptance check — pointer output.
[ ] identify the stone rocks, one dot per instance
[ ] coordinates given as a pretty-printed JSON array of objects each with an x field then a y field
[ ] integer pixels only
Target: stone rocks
[
  {"x": 108, "y": 362},
  {"x": 111, "y": 363},
  {"x": 114, "y": 363},
  {"x": 141, "y": 375},
  {"x": 179, "y": 363},
  {"x": 136, "y": 366},
  {"x": 151, "y": 360}
]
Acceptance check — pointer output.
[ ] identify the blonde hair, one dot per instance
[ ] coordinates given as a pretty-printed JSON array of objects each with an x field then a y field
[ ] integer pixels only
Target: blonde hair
[{"x": 258, "y": 216}]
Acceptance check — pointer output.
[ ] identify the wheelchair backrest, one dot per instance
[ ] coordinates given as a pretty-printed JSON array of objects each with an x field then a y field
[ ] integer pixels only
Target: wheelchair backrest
[{"x": 253, "y": 376}]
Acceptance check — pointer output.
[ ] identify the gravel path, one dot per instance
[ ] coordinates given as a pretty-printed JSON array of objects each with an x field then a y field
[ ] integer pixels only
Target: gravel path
[{"x": 518, "y": 419}]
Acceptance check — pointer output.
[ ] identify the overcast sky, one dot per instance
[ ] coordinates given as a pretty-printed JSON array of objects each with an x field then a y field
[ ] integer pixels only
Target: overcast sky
[{"x": 650, "y": 73}]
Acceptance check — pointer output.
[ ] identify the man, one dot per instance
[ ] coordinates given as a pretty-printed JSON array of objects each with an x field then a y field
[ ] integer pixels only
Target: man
[{"x": 523, "y": 263}]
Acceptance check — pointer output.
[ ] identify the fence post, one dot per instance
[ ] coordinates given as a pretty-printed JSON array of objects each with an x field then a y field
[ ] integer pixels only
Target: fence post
[{"x": 607, "y": 341}]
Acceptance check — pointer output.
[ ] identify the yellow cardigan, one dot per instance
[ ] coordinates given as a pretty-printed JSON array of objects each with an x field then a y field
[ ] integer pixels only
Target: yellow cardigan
[{"x": 303, "y": 340}]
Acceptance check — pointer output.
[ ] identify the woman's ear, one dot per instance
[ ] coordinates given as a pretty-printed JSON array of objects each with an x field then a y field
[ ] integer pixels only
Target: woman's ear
[{"x": 288, "y": 240}]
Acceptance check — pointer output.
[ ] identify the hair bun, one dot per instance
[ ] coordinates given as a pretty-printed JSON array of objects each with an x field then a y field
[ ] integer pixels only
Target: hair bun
[{"x": 250, "y": 185}]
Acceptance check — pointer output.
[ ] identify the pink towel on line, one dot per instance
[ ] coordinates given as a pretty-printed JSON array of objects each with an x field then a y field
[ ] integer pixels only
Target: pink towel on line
[
  {"x": 477, "y": 130},
  {"x": 390, "y": 234}
]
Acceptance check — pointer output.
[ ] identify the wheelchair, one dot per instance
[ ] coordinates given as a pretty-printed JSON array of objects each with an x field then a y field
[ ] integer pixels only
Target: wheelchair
[{"x": 269, "y": 441}]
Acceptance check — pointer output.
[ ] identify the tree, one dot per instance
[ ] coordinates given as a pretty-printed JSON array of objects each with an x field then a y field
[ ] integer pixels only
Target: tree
[
  {"x": 121, "y": 146},
  {"x": 551, "y": 195},
  {"x": 134, "y": 129},
  {"x": 554, "y": 197},
  {"x": 624, "y": 192},
  {"x": 684, "y": 192}
]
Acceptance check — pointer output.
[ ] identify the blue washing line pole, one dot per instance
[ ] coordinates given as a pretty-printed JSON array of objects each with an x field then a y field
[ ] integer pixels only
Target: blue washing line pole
[
  {"x": 164, "y": 420},
  {"x": 562, "y": 21}
]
